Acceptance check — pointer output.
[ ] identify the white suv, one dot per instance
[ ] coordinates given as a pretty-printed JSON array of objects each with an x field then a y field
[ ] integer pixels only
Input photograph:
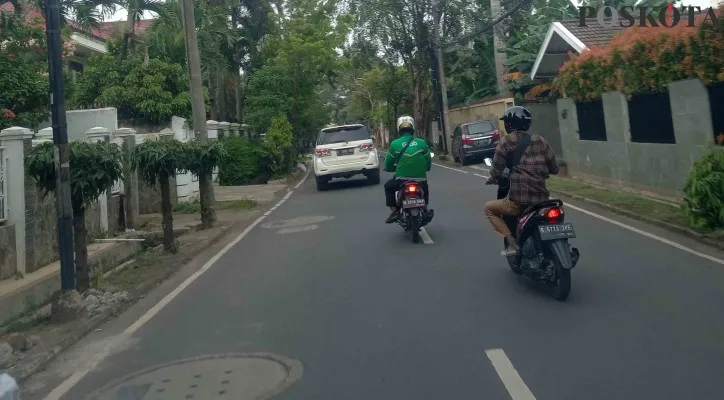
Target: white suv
[{"x": 343, "y": 152}]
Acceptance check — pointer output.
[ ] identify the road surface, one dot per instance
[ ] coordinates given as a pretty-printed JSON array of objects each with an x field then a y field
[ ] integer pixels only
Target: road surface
[{"x": 367, "y": 314}]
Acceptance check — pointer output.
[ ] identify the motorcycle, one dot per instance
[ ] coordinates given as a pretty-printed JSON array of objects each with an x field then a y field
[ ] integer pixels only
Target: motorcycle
[
  {"x": 412, "y": 208},
  {"x": 544, "y": 254}
]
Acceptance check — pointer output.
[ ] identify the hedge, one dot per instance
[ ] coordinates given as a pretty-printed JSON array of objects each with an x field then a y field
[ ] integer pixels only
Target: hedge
[{"x": 647, "y": 59}]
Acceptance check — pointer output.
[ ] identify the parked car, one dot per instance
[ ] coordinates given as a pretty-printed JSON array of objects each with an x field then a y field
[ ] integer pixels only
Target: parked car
[
  {"x": 343, "y": 152},
  {"x": 475, "y": 139}
]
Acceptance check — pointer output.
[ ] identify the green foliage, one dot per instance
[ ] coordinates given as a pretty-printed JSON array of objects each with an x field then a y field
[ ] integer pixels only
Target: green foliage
[
  {"x": 24, "y": 95},
  {"x": 152, "y": 93},
  {"x": 202, "y": 156},
  {"x": 243, "y": 161},
  {"x": 156, "y": 157},
  {"x": 704, "y": 191},
  {"x": 269, "y": 90},
  {"x": 94, "y": 167},
  {"x": 647, "y": 60},
  {"x": 278, "y": 143}
]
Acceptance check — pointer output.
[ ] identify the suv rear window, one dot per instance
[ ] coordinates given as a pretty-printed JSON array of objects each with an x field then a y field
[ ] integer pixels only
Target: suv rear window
[
  {"x": 343, "y": 134},
  {"x": 480, "y": 127}
]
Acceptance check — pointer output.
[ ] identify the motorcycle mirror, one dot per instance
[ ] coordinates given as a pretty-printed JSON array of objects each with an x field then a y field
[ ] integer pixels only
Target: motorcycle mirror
[
  {"x": 432, "y": 154},
  {"x": 489, "y": 162}
]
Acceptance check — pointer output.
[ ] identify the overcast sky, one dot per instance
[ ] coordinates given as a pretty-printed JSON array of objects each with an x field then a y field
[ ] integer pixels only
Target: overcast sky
[{"x": 121, "y": 14}]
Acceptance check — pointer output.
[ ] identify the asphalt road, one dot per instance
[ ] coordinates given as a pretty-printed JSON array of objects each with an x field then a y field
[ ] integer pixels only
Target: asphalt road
[{"x": 370, "y": 315}]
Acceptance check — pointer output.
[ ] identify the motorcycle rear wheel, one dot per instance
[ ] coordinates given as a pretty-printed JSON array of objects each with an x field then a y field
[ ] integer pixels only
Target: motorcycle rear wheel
[
  {"x": 413, "y": 223},
  {"x": 562, "y": 285}
]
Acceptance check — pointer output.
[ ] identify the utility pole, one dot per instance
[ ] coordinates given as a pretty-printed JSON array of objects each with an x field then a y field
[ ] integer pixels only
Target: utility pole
[
  {"x": 442, "y": 81},
  {"x": 62, "y": 152}
]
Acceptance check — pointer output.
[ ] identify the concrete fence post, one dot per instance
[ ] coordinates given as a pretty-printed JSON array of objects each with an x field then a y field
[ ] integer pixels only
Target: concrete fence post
[
  {"x": 213, "y": 128},
  {"x": 130, "y": 177},
  {"x": 224, "y": 129},
  {"x": 43, "y": 135},
  {"x": 235, "y": 129},
  {"x": 13, "y": 187},
  {"x": 101, "y": 134}
]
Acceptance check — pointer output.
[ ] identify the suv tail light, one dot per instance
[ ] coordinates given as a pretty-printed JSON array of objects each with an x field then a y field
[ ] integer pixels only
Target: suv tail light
[
  {"x": 323, "y": 152},
  {"x": 467, "y": 140},
  {"x": 496, "y": 135},
  {"x": 366, "y": 147}
]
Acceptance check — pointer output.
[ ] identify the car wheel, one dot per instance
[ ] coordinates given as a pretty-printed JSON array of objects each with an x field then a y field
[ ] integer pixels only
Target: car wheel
[
  {"x": 464, "y": 161},
  {"x": 322, "y": 184},
  {"x": 374, "y": 178}
]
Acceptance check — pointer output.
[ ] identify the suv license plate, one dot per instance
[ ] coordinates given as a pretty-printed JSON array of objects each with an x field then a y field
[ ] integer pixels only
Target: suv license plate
[
  {"x": 554, "y": 232},
  {"x": 413, "y": 203},
  {"x": 345, "y": 152}
]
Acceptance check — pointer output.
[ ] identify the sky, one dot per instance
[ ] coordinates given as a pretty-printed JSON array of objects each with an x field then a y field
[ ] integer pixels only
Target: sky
[{"x": 121, "y": 14}]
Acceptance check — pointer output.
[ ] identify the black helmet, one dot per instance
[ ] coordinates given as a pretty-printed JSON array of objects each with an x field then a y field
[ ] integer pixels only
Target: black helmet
[{"x": 517, "y": 118}]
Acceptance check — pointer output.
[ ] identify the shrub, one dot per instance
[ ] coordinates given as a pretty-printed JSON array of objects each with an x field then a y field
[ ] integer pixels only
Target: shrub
[
  {"x": 243, "y": 161},
  {"x": 704, "y": 191},
  {"x": 647, "y": 59},
  {"x": 278, "y": 145}
]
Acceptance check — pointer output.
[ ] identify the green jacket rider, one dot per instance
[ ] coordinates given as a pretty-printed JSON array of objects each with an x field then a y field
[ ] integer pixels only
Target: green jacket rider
[{"x": 414, "y": 163}]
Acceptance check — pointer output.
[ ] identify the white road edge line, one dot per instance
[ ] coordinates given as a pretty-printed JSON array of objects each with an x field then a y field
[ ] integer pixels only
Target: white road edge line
[
  {"x": 69, "y": 383},
  {"x": 425, "y": 236},
  {"x": 642, "y": 232},
  {"x": 511, "y": 379}
]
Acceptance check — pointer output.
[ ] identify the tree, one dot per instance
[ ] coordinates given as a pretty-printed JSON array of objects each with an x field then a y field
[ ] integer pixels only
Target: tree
[
  {"x": 277, "y": 142},
  {"x": 157, "y": 161},
  {"x": 94, "y": 167},
  {"x": 152, "y": 93},
  {"x": 135, "y": 10},
  {"x": 202, "y": 157}
]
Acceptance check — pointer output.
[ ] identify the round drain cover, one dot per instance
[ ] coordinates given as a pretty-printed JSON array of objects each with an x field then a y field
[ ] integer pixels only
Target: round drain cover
[
  {"x": 227, "y": 376},
  {"x": 294, "y": 222}
]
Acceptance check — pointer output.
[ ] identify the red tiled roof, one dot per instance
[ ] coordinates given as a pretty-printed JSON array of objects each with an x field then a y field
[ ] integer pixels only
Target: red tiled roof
[{"x": 103, "y": 32}]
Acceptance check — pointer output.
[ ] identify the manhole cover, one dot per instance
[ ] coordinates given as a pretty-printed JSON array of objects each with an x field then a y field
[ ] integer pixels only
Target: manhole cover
[
  {"x": 227, "y": 376},
  {"x": 299, "y": 221}
]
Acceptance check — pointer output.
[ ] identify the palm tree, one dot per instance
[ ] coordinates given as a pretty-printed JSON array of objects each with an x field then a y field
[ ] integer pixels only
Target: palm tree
[{"x": 135, "y": 10}]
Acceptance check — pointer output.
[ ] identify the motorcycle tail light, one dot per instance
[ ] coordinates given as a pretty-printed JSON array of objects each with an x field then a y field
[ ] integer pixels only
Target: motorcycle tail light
[
  {"x": 554, "y": 215},
  {"x": 412, "y": 189}
]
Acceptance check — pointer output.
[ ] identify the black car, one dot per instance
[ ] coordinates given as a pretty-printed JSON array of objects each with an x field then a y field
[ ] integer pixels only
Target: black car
[{"x": 475, "y": 139}]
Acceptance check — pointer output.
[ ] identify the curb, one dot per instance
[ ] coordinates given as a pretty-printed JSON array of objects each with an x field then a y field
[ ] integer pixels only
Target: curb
[
  {"x": 653, "y": 221},
  {"x": 86, "y": 327}
]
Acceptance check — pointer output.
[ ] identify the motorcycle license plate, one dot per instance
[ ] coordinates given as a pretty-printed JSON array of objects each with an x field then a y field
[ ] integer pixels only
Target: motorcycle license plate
[
  {"x": 413, "y": 203},
  {"x": 555, "y": 232}
]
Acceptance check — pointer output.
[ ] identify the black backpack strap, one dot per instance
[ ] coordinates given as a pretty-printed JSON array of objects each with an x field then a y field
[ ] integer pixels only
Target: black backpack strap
[
  {"x": 520, "y": 147},
  {"x": 404, "y": 149}
]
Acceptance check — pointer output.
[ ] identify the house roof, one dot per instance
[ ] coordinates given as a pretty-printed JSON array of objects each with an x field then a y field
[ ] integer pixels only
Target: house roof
[
  {"x": 103, "y": 32},
  {"x": 564, "y": 37}
]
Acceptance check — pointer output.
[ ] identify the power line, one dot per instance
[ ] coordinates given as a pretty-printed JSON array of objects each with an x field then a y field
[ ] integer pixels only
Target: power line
[{"x": 490, "y": 26}]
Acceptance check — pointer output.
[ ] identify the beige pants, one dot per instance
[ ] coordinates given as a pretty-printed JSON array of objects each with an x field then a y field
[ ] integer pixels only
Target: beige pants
[{"x": 495, "y": 209}]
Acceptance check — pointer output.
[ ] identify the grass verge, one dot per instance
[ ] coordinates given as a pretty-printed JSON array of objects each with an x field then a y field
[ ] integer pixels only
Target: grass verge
[{"x": 645, "y": 207}]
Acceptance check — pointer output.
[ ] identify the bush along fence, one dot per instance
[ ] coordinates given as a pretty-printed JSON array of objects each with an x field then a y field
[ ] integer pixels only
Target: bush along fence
[{"x": 28, "y": 218}]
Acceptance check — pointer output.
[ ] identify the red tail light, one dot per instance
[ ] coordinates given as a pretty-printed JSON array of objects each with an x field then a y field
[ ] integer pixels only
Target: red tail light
[
  {"x": 322, "y": 152},
  {"x": 467, "y": 141},
  {"x": 554, "y": 215},
  {"x": 496, "y": 135},
  {"x": 367, "y": 147},
  {"x": 412, "y": 189}
]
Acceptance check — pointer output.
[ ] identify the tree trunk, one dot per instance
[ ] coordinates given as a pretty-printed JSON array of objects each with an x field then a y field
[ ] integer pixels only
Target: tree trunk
[
  {"x": 128, "y": 32},
  {"x": 221, "y": 94},
  {"x": 207, "y": 200},
  {"x": 169, "y": 242},
  {"x": 206, "y": 185},
  {"x": 80, "y": 236}
]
